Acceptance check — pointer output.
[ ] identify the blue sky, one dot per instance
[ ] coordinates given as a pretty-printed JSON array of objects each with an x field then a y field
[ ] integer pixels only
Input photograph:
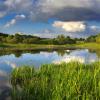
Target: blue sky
[{"x": 48, "y": 18}]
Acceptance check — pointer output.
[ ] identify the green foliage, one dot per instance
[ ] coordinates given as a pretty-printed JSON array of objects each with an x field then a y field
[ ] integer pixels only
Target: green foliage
[
  {"x": 95, "y": 38},
  {"x": 98, "y": 39},
  {"x": 72, "y": 81},
  {"x": 91, "y": 39},
  {"x": 29, "y": 39},
  {"x": 59, "y": 40},
  {"x": 22, "y": 75},
  {"x": 18, "y": 38}
]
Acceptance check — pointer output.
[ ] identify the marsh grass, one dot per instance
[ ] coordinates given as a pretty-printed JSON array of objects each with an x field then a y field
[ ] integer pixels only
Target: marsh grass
[{"x": 72, "y": 81}]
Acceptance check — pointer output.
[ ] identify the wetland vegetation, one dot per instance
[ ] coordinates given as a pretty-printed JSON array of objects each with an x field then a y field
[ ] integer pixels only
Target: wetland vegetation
[{"x": 71, "y": 81}]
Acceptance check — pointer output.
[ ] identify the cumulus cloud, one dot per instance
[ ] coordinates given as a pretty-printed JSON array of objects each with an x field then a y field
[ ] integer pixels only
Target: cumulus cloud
[
  {"x": 70, "y": 26},
  {"x": 13, "y": 21}
]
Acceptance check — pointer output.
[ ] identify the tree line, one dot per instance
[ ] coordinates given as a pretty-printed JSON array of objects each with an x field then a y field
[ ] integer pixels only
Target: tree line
[{"x": 60, "y": 39}]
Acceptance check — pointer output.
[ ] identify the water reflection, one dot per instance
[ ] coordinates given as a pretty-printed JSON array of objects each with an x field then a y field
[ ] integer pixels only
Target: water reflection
[
  {"x": 82, "y": 56},
  {"x": 38, "y": 58},
  {"x": 10, "y": 60},
  {"x": 19, "y": 53},
  {"x": 5, "y": 87}
]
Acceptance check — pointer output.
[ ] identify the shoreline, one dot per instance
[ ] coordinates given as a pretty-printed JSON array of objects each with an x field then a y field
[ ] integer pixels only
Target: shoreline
[{"x": 45, "y": 47}]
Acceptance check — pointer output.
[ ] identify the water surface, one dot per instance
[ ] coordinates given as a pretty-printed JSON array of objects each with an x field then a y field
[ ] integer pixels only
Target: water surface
[{"x": 9, "y": 61}]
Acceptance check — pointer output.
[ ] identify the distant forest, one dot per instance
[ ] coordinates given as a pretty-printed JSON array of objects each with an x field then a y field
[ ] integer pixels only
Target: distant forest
[{"x": 59, "y": 40}]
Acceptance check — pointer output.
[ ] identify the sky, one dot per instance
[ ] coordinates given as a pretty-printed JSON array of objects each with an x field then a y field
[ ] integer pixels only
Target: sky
[{"x": 49, "y": 18}]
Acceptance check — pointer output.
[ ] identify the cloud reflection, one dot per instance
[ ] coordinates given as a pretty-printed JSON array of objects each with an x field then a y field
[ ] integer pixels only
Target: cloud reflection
[{"x": 82, "y": 56}]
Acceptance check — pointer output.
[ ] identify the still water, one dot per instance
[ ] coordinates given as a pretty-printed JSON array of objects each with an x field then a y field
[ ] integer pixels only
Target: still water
[{"x": 9, "y": 61}]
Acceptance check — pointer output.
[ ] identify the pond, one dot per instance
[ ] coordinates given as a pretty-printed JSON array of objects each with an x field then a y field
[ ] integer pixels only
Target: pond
[{"x": 11, "y": 60}]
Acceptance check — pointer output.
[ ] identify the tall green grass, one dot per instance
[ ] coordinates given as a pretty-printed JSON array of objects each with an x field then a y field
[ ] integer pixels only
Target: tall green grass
[{"x": 72, "y": 81}]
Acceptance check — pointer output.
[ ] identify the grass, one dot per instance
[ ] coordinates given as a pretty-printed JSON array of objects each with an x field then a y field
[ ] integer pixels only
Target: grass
[
  {"x": 67, "y": 81},
  {"x": 14, "y": 47},
  {"x": 20, "y": 47},
  {"x": 92, "y": 46}
]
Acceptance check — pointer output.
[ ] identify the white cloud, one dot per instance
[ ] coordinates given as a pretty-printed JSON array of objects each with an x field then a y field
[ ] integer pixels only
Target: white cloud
[
  {"x": 70, "y": 26},
  {"x": 13, "y": 21},
  {"x": 22, "y": 16},
  {"x": 94, "y": 27}
]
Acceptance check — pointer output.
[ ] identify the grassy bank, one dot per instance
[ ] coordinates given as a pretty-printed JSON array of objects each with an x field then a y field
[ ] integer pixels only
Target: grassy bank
[
  {"x": 92, "y": 46},
  {"x": 14, "y": 47},
  {"x": 72, "y": 81},
  {"x": 37, "y": 47}
]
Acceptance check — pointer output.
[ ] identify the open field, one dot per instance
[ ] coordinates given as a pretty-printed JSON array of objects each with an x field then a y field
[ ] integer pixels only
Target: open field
[{"x": 71, "y": 81}]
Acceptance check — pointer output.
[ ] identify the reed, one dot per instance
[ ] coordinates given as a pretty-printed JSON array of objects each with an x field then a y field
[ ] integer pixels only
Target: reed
[{"x": 71, "y": 81}]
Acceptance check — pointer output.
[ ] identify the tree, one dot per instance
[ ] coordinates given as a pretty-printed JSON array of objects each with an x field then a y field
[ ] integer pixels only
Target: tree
[
  {"x": 98, "y": 39},
  {"x": 61, "y": 39},
  {"x": 9, "y": 39},
  {"x": 91, "y": 39},
  {"x": 18, "y": 38}
]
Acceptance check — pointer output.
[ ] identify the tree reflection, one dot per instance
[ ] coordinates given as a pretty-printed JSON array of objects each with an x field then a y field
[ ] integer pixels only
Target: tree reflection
[
  {"x": 63, "y": 52},
  {"x": 95, "y": 51}
]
